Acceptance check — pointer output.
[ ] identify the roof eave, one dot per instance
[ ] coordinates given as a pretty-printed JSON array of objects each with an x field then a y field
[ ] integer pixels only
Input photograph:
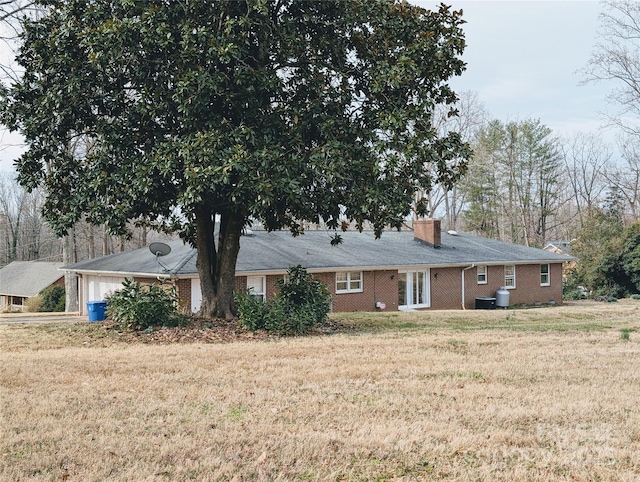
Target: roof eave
[{"x": 120, "y": 274}]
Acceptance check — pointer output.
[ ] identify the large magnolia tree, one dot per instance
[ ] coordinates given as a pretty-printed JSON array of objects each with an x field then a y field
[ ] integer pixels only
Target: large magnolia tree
[{"x": 205, "y": 115}]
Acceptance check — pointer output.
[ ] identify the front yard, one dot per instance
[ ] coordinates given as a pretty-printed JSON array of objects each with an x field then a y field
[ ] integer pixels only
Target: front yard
[{"x": 538, "y": 394}]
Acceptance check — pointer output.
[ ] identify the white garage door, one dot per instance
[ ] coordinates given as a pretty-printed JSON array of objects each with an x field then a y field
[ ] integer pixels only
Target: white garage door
[{"x": 99, "y": 286}]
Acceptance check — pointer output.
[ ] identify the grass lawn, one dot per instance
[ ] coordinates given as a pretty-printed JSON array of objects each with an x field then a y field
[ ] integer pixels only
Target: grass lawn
[{"x": 517, "y": 395}]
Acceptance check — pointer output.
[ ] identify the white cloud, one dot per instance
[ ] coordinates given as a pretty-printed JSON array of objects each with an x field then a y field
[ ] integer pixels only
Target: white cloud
[{"x": 523, "y": 59}]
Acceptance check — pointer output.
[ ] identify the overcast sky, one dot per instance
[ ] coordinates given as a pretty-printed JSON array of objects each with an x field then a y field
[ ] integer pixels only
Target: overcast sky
[{"x": 523, "y": 59}]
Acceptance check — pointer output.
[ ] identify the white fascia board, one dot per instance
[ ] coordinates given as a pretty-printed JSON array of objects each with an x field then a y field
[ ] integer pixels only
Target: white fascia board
[
  {"x": 121, "y": 274},
  {"x": 327, "y": 269},
  {"x": 522, "y": 263}
]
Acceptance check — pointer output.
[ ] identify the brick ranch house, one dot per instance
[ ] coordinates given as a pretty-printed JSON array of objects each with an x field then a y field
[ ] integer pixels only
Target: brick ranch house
[
  {"x": 20, "y": 280},
  {"x": 420, "y": 269}
]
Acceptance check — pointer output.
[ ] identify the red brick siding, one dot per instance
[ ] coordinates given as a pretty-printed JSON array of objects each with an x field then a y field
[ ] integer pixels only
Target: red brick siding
[
  {"x": 377, "y": 286},
  {"x": 241, "y": 283},
  {"x": 527, "y": 290},
  {"x": 145, "y": 281},
  {"x": 446, "y": 288},
  {"x": 271, "y": 286},
  {"x": 495, "y": 279},
  {"x": 183, "y": 288}
]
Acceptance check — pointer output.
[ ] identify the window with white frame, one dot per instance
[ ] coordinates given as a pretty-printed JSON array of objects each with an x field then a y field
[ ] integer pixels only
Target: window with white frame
[
  {"x": 545, "y": 280},
  {"x": 510, "y": 276},
  {"x": 481, "y": 271},
  {"x": 348, "y": 281},
  {"x": 257, "y": 286}
]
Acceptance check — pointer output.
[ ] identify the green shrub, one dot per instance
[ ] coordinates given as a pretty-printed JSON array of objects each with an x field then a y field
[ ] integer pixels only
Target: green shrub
[
  {"x": 635, "y": 297},
  {"x": 301, "y": 289},
  {"x": 53, "y": 298},
  {"x": 252, "y": 311},
  {"x": 296, "y": 320},
  {"x": 139, "y": 307},
  {"x": 612, "y": 299},
  {"x": 302, "y": 302}
]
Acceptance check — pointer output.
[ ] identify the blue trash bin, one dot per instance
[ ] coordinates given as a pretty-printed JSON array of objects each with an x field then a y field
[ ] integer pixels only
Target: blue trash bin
[{"x": 96, "y": 310}]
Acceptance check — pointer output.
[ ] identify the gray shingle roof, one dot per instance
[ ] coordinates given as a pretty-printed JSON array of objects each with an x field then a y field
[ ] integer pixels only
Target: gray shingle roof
[
  {"x": 274, "y": 252},
  {"x": 28, "y": 278}
]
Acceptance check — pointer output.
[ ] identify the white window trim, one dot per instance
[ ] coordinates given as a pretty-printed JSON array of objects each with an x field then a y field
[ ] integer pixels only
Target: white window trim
[
  {"x": 478, "y": 273},
  {"x": 508, "y": 286},
  {"x": 349, "y": 282},
  {"x": 548, "y": 274},
  {"x": 263, "y": 280}
]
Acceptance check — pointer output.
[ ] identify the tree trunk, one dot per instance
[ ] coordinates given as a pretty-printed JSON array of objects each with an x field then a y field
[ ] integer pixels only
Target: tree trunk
[
  {"x": 70, "y": 278},
  {"x": 205, "y": 263},
  {"x": 105, "y": 241},
  {"x": 91, "y": 242},
  {"x": 228, "y": 249},
  {"x": 216, "y": 267}
]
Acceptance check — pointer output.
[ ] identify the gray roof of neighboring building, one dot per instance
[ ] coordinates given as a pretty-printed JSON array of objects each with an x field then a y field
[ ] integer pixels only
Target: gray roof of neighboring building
[
  {"x": 262, "y": 251},
  {"x": 28, "y": 278},
  {"x": 563, "y": 246}
]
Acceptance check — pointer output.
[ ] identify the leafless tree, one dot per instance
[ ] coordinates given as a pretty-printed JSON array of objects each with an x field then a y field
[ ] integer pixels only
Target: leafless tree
[
  {"x": 11, "y": 14},
  {"x": 444, "y": 202},
  {"x": 11, "y": 9},
  {"x": 12, "y": 202},
  {"x": 616, "y": 58},
  {"x": 23, "y": 234},
  {"x": 625, "y": 178},
  {"x": 587, "y": 160}
]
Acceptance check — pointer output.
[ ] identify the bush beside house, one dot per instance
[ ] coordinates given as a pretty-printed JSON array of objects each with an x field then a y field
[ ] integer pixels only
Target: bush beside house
[{"x": 301, "y": 303}]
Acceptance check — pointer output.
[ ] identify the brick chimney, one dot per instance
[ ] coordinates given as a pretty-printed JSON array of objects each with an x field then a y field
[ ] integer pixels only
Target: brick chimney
[{"x": 427, "y": 230}]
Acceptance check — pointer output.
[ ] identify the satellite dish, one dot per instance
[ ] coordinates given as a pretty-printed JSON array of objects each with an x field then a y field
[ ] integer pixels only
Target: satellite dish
[{"x": 160, "y": 249}]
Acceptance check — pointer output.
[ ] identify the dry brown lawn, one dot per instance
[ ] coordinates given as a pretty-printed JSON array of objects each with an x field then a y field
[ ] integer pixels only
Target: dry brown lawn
[{"x": 518, "y": 395}]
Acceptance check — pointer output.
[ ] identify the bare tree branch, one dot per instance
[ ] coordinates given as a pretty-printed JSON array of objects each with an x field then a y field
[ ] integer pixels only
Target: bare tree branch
[
  {"x": 15, "y": 8},
  {"x": 616, "y": 58}
]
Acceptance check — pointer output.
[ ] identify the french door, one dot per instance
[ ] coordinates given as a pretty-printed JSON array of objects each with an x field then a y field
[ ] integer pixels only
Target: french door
[{"x": 414, "y": 289}]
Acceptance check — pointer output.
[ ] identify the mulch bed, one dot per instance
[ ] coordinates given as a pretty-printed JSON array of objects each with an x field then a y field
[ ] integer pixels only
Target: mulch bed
[{"x": 201, "y": 330}]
